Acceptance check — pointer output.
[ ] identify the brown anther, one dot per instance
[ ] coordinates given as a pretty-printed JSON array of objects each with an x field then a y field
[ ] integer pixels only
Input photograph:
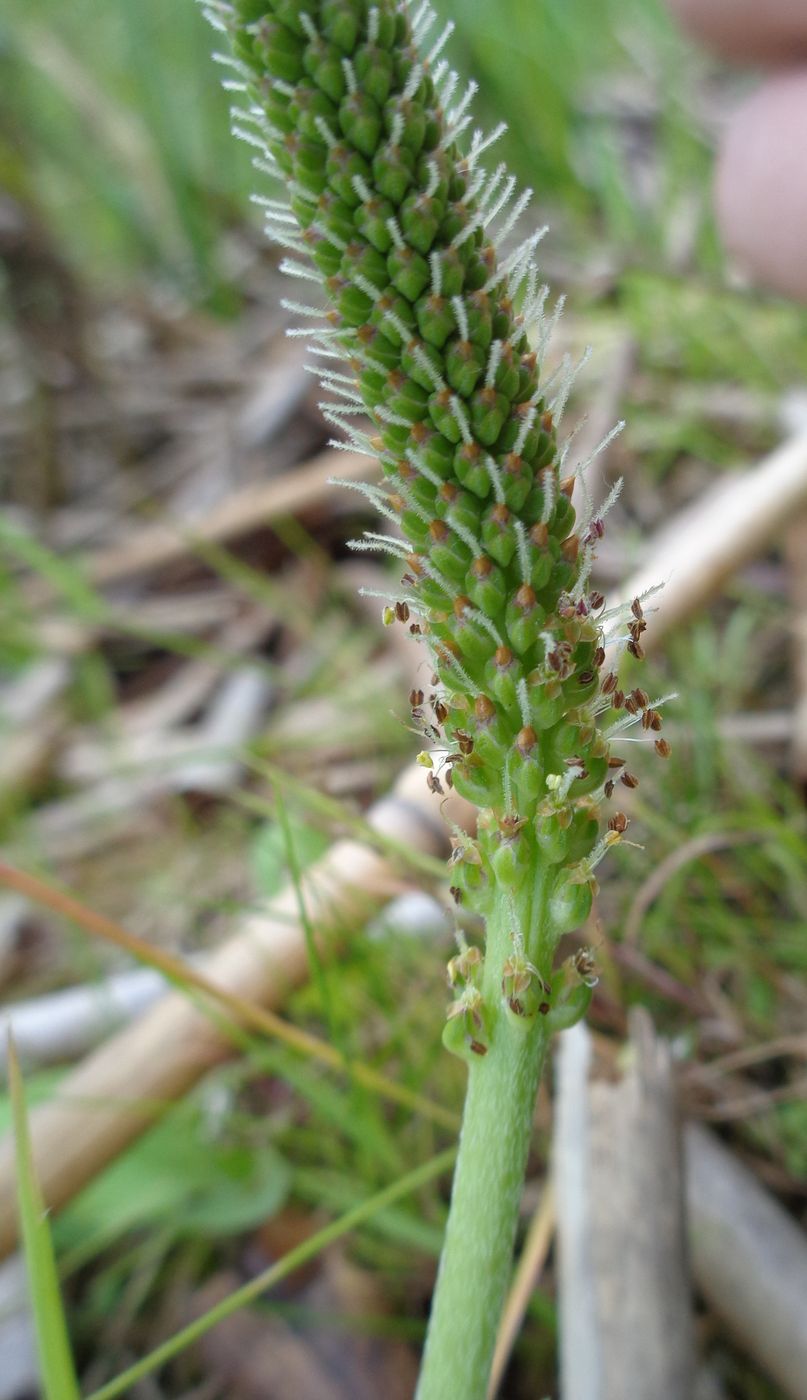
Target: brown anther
[
  {"x": 596, "y": 601},
  {"x": 434, "y": 785},
  {"x": 525, "y": 598},
  {"x": 547, "y": 421},
  {"x": 609, "y": 788},
  {"x": 461, "y": 605},
  {"x": 641, "y": 697},
  {"x": 397, "y": 502},
  {"x": 503, "y": 658},
  {"x": 539, "y": 535},
  {"x": 651, "y": 719},
  {"x": 440, "y": 711},
  {"x": 414, "y": 562},
  {"x": 630, "y": 705},
  {"x": 484, "y": 709},
  {"x": 663, "y": 749},
  {"x": 618, "y": 822},
  {"x": 515, "y": 1006},
  {"x": 598, "y": 657},
  {"x": 609, "y": 683},
  {"x": 402, "y": 612},
  {"x": 618, "y": 699},
  {"x": 477, "y": 1047},
  {"x": 416, "y": 697},
  {"x": 629, "y": 779},
  {"x": 438, "y": 530},
  {"x": 481, "y": 566},
  {"x": 636, "y": 649},
  {"x": 465, "y": 742},
  {"x": 409, "y": 580},
  {"x": 614, "y": 762},
  {"x": 415, "y": 629},
  {"x": 530, "y": 360},
  {"x": 585, "y": 677},
  {"x": 570, "y": 549},
  {"x": 567, "y": 487},
  {"x": 526, "y": 739},
  {"x": 456, "y": 894},
  {"x": 636, "y": 609}
]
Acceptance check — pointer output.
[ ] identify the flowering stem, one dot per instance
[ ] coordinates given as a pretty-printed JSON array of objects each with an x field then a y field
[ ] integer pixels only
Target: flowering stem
[
  {"x": 478, "y": 1246},
  {"x": 440, "y": 325}
]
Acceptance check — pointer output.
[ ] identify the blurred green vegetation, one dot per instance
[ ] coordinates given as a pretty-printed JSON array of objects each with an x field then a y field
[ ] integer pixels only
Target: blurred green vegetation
[{"x": 113, "y": 123}]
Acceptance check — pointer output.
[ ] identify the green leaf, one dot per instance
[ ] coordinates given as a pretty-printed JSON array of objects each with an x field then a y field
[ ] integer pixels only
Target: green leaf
[
  {"x": 56, "y": 1362},
  {"x": 270, "y": 856},
  {"x": 178, "y": 1179}
]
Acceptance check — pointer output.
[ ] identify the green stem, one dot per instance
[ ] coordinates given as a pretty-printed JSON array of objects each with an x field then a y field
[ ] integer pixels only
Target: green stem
[{"x": 477, "y": 1253}]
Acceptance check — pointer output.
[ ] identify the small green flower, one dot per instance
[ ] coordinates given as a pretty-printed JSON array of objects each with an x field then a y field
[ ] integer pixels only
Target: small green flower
[{"x": 430, "y": 310}]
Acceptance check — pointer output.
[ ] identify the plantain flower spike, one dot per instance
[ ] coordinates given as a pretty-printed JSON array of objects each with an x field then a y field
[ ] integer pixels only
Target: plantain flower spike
[{"x": 424, "y": 328}]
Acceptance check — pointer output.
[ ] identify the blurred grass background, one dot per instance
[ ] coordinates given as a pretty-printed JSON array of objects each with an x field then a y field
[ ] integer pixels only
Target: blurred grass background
[{"x": 114, "y": 125}]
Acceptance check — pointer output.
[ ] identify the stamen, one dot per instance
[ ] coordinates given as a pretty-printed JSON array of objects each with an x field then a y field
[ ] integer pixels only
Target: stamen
[
  {"x": 441, "y": 43},
  {"x": 525, "y": 429},
  {"x": 480, "y": 143},
  {"x": 295, "y": 269},
  {"x": 395, "y": 234},
  {"x": 434, "y": 180},
  {"x": 397, "y": 128},
  {"x": 465, "y": 535},
  {"x": 460, "y": 418},
  {"x": 492, "y": 469},
  {"x": 524, "y": 702},
  {"x": 412, "y": 83},
  {"x": 461, "y": 316},
  {"x": 350, "y": 75},
  {"x": 525, "y": 563},
  {"x": 498, "y": 205},
  {"x": 494, "y": 360},
  {"x": 252, "y": 139},
  {"x": 549, "y": 486},
  {"x": 360, "y": 186},
  {"x": 514, "y": 215},
  {"x": 436, "y": 265},
  {"x": 325, "y": 132}
]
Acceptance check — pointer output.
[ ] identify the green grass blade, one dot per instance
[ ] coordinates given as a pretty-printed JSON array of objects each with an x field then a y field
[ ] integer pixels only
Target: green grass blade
[
  {"x": 361, "y": 1213},
  {"x": 56, "y": 1362}
]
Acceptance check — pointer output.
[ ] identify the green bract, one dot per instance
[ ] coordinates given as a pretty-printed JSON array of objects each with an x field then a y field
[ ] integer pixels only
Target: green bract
[{"x": 360, "y": 122}]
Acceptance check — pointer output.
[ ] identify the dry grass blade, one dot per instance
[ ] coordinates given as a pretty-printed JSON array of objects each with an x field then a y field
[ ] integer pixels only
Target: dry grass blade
[{"x": 244, "y": 1013}]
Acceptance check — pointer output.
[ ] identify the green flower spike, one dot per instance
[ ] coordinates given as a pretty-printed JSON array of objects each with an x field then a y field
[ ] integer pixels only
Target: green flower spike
[{"x": 393, "y": 216}]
